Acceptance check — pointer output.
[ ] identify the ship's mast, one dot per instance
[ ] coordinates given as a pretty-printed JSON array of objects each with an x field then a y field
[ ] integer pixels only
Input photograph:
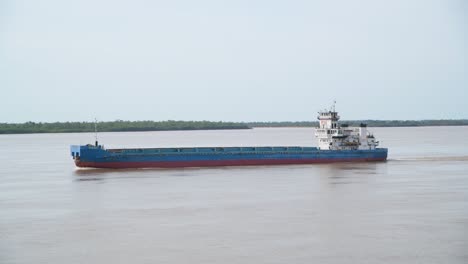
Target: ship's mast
[{"x": 95, "y": 132}]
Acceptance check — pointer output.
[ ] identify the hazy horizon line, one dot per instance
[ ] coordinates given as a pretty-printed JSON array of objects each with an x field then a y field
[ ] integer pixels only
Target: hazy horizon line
[{"x": 237, "y": 122}]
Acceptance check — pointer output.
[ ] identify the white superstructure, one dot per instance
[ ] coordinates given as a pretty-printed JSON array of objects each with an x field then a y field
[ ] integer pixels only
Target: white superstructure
[{"x": 332, "y": 136}]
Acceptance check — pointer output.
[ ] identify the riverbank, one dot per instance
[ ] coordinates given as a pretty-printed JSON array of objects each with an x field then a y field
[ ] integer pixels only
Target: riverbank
[
  {"x": 115, "y": 126},
  {"x": 122, "y": 126}
]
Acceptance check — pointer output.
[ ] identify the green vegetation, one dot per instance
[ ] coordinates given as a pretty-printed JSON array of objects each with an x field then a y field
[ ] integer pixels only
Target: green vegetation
[
  {"x": 119, "y": 125},
  {"x": 410, "y": 123},
  {"x": 370, "y": 123},
  {"x": 114, "y": 126}
]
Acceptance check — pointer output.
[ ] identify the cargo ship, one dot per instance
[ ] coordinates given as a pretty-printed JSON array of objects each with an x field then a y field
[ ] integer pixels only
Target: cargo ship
[{"x": 336, "y": 143}]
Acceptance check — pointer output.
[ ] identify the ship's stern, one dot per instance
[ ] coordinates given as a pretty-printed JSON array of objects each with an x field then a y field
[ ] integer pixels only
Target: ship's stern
[{"x": 381, "y": 154}]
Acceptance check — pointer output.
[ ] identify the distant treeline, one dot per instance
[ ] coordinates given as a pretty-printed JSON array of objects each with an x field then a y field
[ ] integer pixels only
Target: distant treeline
[
  {"x": 119, "y": 125},
  {"x": 371, "y": 123},
  {"x": 114, "y": 126}
]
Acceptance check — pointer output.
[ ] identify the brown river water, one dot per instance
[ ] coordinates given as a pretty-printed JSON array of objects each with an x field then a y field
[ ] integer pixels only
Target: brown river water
[{"x": 411, "y": 209}]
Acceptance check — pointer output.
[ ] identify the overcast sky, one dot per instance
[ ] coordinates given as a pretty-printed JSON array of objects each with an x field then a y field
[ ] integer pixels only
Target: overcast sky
[{"x": 252, "y": 60}]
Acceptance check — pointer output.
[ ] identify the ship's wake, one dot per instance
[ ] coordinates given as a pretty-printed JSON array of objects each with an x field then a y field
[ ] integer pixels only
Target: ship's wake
[{"x": 432, "y": 158}]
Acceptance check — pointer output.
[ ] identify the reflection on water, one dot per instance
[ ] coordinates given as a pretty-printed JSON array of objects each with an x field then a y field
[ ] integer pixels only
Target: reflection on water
[
  {"x": 410, "y": 209},
  {"x": 334, "y": 170},
  {"x": 333, "y": 166}
]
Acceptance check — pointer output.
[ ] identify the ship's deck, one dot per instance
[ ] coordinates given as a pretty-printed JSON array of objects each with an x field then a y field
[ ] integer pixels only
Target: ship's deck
[{"x": 213, "y": 150}]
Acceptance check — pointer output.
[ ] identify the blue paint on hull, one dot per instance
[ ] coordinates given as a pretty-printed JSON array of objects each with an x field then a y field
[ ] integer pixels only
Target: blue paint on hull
[{"x": 92, "y": 156}]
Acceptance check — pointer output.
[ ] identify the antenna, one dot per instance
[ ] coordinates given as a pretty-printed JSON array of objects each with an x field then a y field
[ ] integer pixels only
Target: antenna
[
  {"x": 334, "y": 103},
  {"x": 95, "y": 131}
]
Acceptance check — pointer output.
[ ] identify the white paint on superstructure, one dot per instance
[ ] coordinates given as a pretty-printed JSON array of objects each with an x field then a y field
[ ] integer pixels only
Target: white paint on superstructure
[{"x": 332, "y": 136}]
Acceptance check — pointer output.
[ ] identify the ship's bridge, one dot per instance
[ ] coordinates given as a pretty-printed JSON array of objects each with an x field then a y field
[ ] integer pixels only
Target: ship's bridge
[
  {"x": 328, "y": 115},
  {"x": 328, "y": 119}
]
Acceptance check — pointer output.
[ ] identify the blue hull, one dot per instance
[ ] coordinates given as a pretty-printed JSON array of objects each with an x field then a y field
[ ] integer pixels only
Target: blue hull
[{"x": 98, "y": 157}]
